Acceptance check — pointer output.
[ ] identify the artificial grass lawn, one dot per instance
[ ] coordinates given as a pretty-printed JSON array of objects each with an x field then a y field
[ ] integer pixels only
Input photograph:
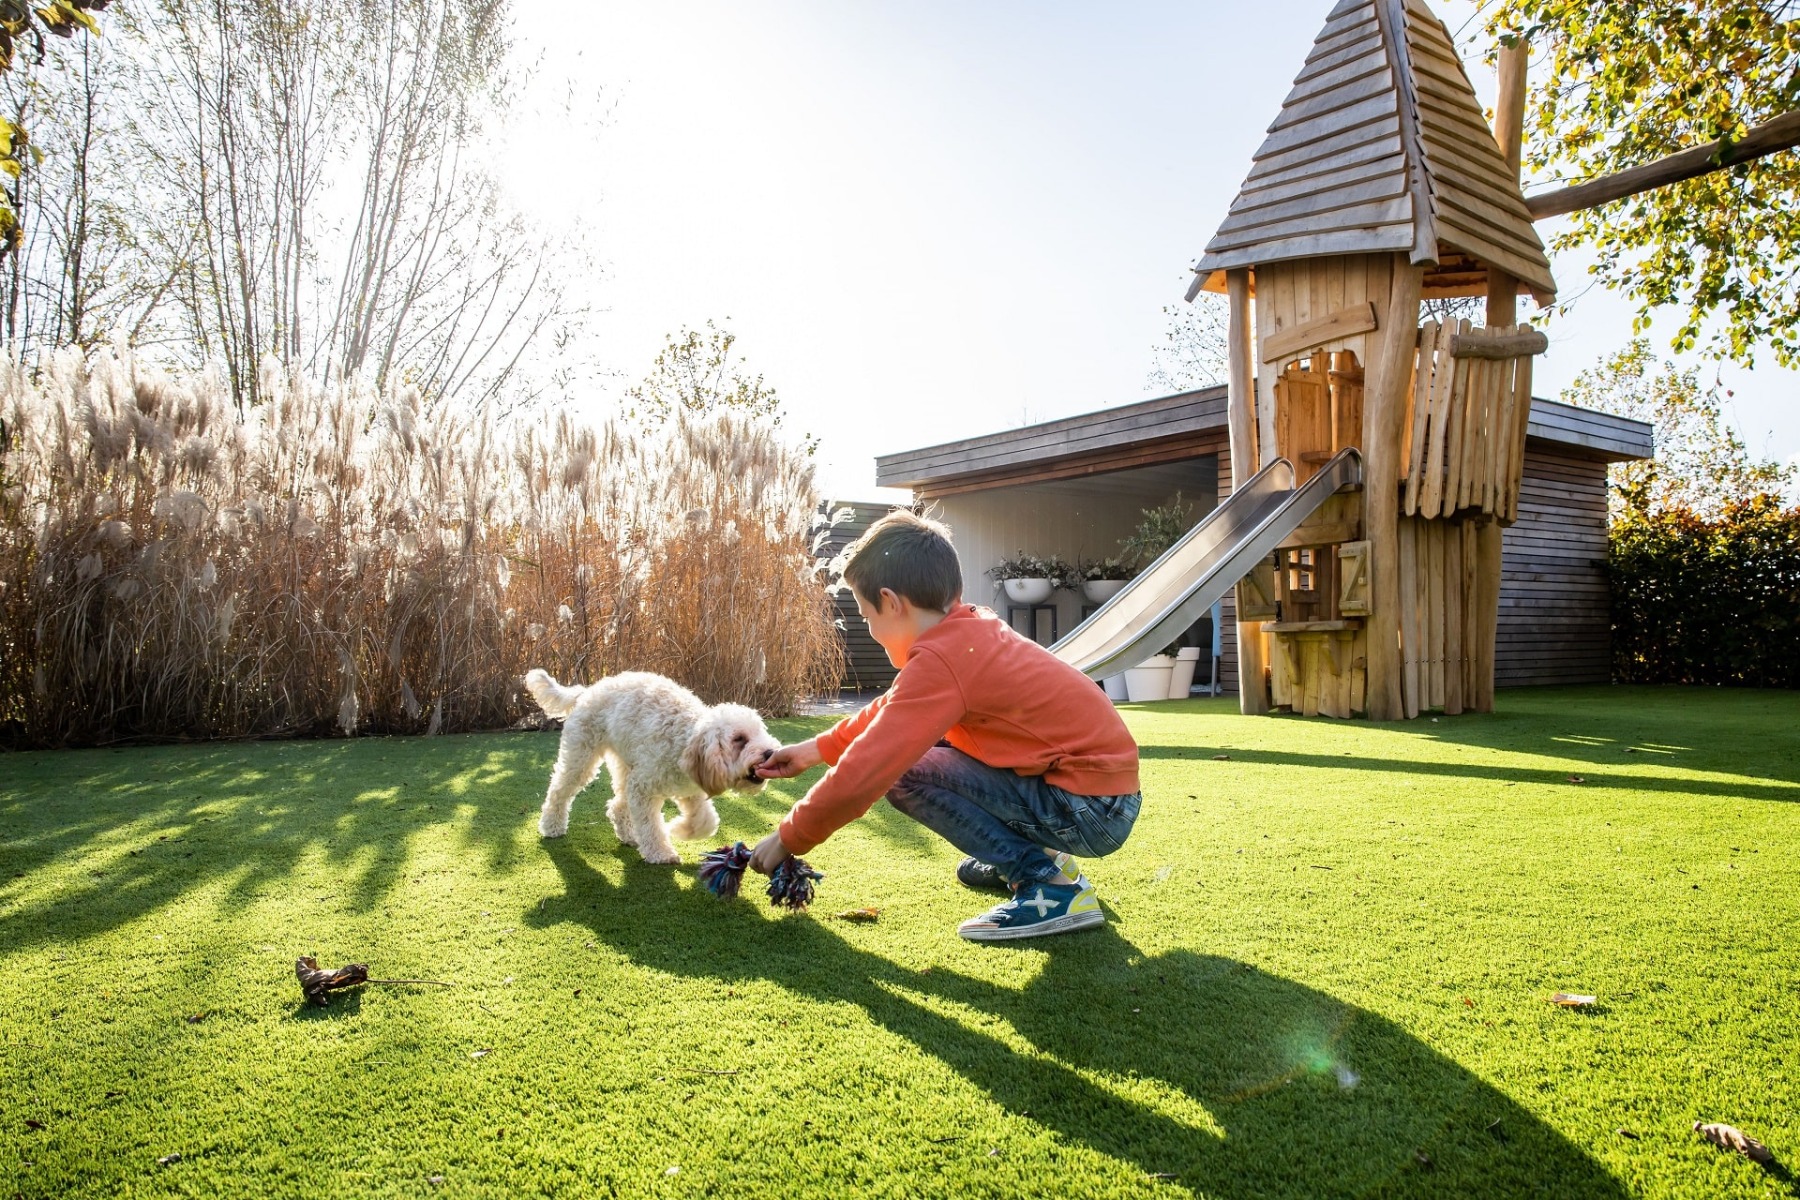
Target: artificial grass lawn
[{"x": 1326, "y": 973}]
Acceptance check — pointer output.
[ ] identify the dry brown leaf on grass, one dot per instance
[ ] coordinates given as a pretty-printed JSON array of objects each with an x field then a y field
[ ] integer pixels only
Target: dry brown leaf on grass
[
  {"x": 1730, "y": 1137},
  {"x": 318, "y": 983},
  {"x": 859, "y": 914},
  {"x": 1576, "y": 779},
  {"x": 1572, "y": 1000}
]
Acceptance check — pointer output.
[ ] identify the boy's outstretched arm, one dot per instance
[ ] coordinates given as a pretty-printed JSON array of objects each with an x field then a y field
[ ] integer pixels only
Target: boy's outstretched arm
[
  {"x": 790, "y": 761},
  {"x": 785, "y": 763}
]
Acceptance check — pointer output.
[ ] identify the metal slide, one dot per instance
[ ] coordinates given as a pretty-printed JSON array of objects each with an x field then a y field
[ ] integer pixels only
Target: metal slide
[{"x": 1180, "y": 587}]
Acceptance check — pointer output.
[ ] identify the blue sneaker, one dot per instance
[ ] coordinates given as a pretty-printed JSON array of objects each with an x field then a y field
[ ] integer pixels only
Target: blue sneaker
[{"x": 1035, "y": 910}]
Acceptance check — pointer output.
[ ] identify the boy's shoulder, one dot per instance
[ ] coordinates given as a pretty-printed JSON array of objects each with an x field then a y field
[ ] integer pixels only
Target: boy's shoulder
[
  {"x": 967, "y": 625},
  {"x": 973, "y": 640}
]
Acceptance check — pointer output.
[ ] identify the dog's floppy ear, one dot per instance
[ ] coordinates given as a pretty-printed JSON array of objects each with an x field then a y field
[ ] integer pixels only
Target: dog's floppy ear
[{"x": 707, "y": 758}]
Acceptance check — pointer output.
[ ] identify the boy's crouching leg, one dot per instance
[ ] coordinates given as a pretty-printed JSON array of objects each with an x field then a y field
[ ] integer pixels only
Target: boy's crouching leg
[{"x": 975, "y": 807}]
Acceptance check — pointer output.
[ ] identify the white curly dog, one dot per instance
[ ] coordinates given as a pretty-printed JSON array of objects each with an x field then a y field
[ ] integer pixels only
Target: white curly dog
[{"x": 659, "y": 742}]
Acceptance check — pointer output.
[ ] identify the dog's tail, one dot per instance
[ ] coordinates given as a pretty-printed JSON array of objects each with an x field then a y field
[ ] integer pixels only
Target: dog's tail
[{"x": 551, "y": 696}]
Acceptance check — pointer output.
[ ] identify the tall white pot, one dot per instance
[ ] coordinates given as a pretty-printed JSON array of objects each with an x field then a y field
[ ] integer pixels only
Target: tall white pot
[
  {"x": 1181, "y": 676},
  {"x": 1149, "y": 680}
]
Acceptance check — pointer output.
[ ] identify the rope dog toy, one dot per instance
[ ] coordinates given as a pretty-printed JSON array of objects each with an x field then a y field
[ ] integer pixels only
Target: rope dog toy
[{"x": 722, "y": 871}]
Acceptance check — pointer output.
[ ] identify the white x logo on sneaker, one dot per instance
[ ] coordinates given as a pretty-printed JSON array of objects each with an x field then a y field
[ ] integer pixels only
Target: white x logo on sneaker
[{"x": 1038, "y": 902}]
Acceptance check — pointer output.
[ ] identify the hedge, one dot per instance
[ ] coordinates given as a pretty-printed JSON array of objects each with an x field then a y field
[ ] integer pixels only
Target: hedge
[{"x": 1712, "y": 601}]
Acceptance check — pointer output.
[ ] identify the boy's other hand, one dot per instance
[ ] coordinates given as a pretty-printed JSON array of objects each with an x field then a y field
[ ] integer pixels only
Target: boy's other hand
[
  {"x": 790, "y": 761},
  {"x": 768, "y": 855}
]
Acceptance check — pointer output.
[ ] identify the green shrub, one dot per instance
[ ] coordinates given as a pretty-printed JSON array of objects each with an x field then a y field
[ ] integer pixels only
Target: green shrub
[{"x": 1708, "y": 601}]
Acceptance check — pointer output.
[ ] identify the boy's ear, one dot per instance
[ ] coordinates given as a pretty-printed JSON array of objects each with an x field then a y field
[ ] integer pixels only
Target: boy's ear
[{"x": 887, "y": 597}]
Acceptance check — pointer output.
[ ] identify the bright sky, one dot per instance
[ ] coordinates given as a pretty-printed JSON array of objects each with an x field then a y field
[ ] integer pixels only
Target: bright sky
[{"x": 928, "y": 220}]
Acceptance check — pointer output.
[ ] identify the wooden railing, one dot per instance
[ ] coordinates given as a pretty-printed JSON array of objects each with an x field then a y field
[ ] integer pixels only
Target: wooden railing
[{"x": 1464, "y": 436}]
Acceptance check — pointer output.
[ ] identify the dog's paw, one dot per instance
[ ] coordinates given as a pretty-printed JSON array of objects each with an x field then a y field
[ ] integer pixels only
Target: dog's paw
[
  {"x": 659, "y": 859},
  {"x": 692, "y": 827},
  {"x": 552, "y": 829}
]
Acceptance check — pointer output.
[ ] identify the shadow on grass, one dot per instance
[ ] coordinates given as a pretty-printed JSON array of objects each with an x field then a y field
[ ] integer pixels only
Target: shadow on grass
[
  {"x": 1412, "y": 768},
  {"x": 91, "y": 840},
  {"x": 133, "y": 830},
  {"x": 1655, "y": 740},
  {"x": 1227, "y": 1080}
]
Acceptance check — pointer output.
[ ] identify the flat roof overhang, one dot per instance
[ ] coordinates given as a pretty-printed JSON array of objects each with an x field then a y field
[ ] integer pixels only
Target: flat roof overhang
[{"x": 1183, "y": 425}]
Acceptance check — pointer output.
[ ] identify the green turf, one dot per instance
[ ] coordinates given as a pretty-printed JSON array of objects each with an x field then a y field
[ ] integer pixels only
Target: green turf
[{"x": 1326, "y": 974}]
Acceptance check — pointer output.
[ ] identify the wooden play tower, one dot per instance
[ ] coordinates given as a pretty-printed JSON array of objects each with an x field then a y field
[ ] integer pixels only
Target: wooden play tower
[{"x": 1379, "y": 184}]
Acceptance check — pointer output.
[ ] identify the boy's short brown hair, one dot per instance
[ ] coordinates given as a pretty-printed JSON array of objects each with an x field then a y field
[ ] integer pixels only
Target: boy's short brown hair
[{"x": 908, "y": 554}]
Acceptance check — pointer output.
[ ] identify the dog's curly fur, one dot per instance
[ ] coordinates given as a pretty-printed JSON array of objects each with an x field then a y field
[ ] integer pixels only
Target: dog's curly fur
[{"x": 659, "y": 742}]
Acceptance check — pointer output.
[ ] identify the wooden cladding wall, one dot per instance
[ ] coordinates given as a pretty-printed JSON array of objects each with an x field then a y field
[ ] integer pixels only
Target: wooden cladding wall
[
  {"x": 1555, "y": 621},
  {"x": 866, "y": 666}
]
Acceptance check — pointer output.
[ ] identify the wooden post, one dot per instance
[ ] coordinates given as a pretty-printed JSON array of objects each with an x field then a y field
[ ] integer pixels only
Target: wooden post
[
  {"x": 1509, "y": 126},
  {"x": 1389, "y": 380},
  {"x": 1411, "y": 638},
  {"x": 1253, "y": 659},
  {"x": 1502, "y": 309}
]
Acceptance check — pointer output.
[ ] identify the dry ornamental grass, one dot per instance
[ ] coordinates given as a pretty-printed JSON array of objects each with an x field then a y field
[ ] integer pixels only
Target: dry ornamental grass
[{"x": 335, "y": 561}]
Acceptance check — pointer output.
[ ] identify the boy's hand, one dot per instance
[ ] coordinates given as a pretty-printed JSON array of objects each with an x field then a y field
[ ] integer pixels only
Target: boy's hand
[
  {"x": 768, "y": 855},
  {"x": 790, "y": 761}
]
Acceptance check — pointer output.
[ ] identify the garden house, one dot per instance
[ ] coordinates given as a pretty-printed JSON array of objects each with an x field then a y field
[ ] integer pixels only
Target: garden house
[{"x": 1075, "y": 487}]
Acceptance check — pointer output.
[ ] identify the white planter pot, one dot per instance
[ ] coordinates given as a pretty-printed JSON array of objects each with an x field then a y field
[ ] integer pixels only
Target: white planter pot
[
  {"x": 1028, "y": 591},
  {"x": 1181, "y": 678},
  {"x": 1099, "y": 591},
  {"x": 1115, "y": 687},
  {"x": 1149, "y": 680}
]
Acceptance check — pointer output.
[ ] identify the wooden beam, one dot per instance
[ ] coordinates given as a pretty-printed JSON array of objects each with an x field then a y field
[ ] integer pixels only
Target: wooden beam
[
  {"x": 1240, "y": 396},
  {"x": 1509, "y": 104},
  {"x": 1384, "y": 408},
  {"x": 1512, "y": 345},
  {"x": 1509, "y": 127},
  {"x": 1240, "y": 416},
  {"x": 1782, "y": 133},
  {"x": 1345, "y": 322}
]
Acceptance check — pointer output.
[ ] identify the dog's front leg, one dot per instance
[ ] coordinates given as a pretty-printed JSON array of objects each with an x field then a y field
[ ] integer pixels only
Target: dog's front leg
[
  {"x": 645, "y": 810},
  {"x": 698, "y": 819}
]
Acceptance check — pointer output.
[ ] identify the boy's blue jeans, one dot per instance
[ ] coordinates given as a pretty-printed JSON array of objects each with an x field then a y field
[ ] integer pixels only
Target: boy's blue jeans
[{"x": 1007, "y": 819}]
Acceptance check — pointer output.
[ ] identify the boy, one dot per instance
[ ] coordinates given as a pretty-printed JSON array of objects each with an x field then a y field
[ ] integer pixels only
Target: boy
[{"x": 985, "y": 738}]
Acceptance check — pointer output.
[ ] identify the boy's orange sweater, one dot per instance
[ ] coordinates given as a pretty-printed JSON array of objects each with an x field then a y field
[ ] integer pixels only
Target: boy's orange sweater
[{"x": 997, "y": 696}]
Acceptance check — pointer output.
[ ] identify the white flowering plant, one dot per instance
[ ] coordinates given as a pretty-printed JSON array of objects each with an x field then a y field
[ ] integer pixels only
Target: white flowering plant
[{"x": 1059, "y": 571}]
